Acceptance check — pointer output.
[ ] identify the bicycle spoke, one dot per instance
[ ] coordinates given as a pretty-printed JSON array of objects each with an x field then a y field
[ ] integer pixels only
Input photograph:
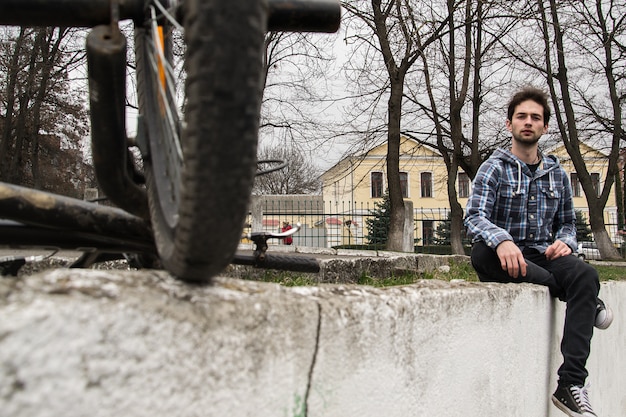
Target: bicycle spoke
[
  {"x": 162, "y": 67},
  {"x": 168, "y": 15}
]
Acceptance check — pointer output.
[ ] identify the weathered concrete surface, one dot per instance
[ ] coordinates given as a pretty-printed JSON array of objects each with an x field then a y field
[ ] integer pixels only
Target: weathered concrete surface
[
  {"x": 124, "y": 343},
  {"x": 349, "y": 266},
  {"x": 78, "y": 343}
]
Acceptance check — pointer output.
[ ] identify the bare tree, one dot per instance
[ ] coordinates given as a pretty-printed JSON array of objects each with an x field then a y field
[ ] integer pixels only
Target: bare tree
[
  {"x": 577, "y": 52},
  {"x": 453, "y": 91},
  {"x": 593, "y": 30},
  {"x": 12, "y": 69},
  {"x": 42, "y": 112},
  {"x": 400, "y": 40},
  {"x": 299, "y": 176},
  {"x": 472, "y": 55},
  {"x": 296, "y": 72}
]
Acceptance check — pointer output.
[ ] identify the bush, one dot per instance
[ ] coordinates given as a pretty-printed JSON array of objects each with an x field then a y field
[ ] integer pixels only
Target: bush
[{"x": 378, "y": 223}]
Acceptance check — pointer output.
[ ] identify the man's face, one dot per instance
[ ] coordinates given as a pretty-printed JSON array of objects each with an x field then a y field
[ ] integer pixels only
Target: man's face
[{"x": 527, "y": 125}]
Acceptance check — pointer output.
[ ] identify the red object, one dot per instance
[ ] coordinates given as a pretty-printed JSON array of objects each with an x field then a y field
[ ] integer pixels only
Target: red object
[{"x": 288, "y": 240}]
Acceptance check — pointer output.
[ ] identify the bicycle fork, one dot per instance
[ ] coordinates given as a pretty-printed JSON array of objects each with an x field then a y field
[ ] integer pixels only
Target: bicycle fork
[{"x": 106, "y": 60}]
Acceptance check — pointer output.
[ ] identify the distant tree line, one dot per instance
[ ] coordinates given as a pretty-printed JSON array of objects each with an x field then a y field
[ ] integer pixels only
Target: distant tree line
[{"x": 43, "y": 116}]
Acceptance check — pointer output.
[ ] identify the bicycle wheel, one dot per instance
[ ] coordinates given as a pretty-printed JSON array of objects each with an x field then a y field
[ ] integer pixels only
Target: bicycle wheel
[{"x": 200, "y": 169}]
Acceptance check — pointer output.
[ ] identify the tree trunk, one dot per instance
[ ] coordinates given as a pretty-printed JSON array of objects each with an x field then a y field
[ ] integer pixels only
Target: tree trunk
[
  {"x": 49, "y": 48},
  {"x": 607, "y": 249},
  {"x": 619, "y": 201},
  {"x": 15, "y": 166},
  {"x": 25, "y": 116},
  {"x": 395, "y": 238},
  {"x": 7, "y": 140},
  {"x": 456, "y": 214},
  {"x": 569, "y": 132},
  {"x": 457, "y": 101}
]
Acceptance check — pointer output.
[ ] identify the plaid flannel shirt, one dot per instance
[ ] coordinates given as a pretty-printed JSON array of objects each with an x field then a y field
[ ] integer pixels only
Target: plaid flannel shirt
[{"x": 509, "y": 202}]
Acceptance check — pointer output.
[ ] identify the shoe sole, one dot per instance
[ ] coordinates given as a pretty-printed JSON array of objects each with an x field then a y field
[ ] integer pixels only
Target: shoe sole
[
  {"x": 607, "y": 320},
  {"x": 566, "y": 410}
]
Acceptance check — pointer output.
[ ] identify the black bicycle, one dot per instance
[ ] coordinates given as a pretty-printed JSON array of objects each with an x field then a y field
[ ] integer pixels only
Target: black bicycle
[{"x": 198, "y": 67}]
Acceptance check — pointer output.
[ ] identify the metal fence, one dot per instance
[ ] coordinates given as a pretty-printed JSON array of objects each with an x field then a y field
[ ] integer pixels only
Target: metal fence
[
  {"x": 323, "y": 224},
  {"x": 616, "y": 231},
  {"x": 346, "y": 224},
  {"x": 341, "y": 224}
]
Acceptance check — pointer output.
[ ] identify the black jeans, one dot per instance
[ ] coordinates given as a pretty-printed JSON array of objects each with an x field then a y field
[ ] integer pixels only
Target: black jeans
[{"x": 567, "y": 278}]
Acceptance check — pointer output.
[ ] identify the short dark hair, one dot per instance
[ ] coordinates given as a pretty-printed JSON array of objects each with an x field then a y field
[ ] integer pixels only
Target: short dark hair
[{"x": 530, "y": 93}]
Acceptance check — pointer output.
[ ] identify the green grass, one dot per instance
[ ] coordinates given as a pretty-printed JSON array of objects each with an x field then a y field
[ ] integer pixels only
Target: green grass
[
  {"x": 388, "y": 282},
  {"x": 611, "y": 273},
  {"x": 458, "y": 270}
]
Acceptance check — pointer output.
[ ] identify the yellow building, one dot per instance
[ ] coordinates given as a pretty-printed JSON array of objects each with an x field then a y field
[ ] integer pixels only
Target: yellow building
[
  {"x": 597, "y": 166},
  {"x": 364, "y": 178},
  {"x": 355, "y": 184}
]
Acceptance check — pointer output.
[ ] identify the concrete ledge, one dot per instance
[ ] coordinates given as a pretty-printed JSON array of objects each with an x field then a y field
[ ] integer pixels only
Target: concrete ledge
[
  {"x": 103, "y": 343},
  {"x": 348, "y": 266}
]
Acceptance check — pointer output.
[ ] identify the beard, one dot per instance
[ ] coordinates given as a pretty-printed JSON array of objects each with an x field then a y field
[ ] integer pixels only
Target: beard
[{"x": 532, "y": 140}]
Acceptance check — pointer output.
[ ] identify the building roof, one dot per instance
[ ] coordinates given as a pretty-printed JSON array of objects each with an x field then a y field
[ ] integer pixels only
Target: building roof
[{"x": 409, "y": 149}]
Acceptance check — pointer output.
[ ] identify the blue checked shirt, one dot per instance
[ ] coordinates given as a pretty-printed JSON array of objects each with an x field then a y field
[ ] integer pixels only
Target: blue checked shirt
[{"x": 508, "y": 202}]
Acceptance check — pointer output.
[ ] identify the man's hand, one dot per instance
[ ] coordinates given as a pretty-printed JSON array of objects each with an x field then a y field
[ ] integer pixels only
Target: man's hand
[
  {"x": 511, "y": 259},
  {"x": 557, "y": 249}
]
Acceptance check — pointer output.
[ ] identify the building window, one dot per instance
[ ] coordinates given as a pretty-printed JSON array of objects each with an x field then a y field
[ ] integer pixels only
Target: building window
[
  {"x": 377, "y": 184},
  {"x": 595, "y": 181},
  {"x": 464, "y": 185},
  {"x": 427, "y": 184},
  {"x": 575, "y": 184},
  {"x": 428, "y": 232},
  {"x": 404, "y": 184}
]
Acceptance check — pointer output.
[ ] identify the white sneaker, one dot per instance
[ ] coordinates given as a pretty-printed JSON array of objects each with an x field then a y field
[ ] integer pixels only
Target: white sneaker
[
  {"x": 573, "y": 400},
  {"x": 604, "y": 315}
]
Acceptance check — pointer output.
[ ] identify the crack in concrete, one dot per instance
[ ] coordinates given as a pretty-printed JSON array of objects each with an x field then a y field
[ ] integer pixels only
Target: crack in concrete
[{"x": 313, "y": 360}]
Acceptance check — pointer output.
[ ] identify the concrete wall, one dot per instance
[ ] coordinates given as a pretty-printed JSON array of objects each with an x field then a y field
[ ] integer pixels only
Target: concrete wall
[{"x": 95, "y": 343}]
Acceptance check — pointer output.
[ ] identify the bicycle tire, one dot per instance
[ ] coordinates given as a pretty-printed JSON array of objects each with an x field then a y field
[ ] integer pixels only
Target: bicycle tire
[{"x": 198, "y": 205}]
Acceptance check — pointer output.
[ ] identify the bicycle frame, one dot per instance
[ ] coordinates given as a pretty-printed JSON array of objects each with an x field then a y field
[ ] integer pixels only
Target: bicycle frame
[
  {"x": 49, "y": 221},
  {"x": 284, "y": 15},
  {"x": 106, "y": 54},
  {"x": 42, "y": 219}
]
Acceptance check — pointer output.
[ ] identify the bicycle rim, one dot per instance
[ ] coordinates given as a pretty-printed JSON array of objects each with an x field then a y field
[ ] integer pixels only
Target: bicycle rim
[
  {"x": 161, "y": 104},
  {"x": 202, "y": 137}
]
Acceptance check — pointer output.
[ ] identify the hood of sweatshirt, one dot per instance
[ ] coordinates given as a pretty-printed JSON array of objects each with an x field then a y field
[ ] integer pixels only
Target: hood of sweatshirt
[{"x": 549, "y": 163}]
